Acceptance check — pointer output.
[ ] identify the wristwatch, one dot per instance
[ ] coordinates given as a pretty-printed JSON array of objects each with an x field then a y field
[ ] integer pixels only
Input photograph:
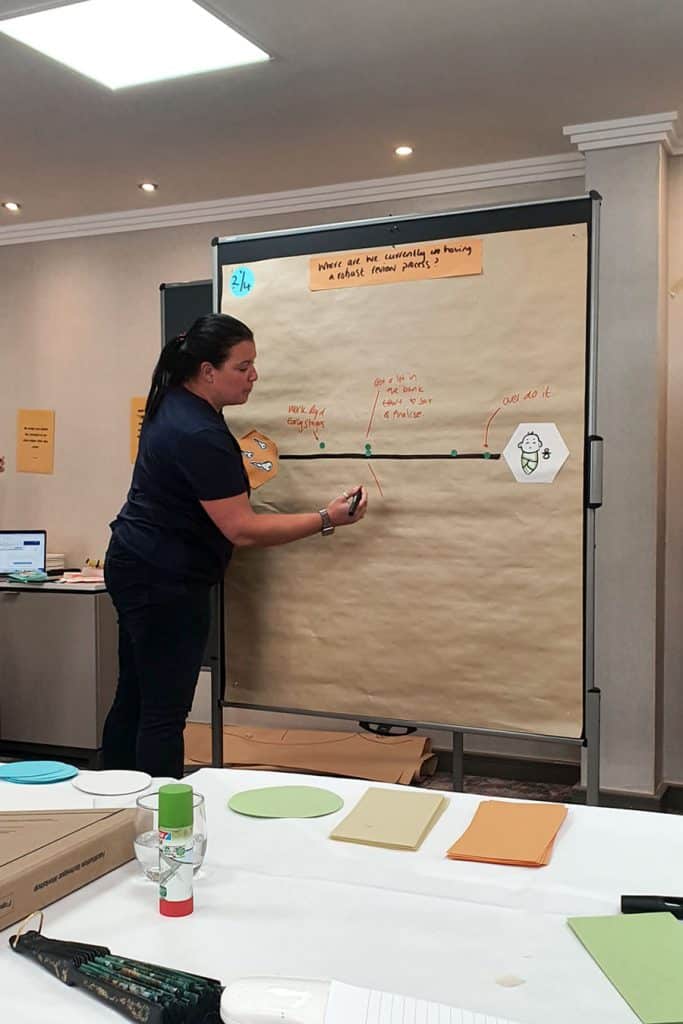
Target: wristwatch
[{"x": 327, "y": 528}]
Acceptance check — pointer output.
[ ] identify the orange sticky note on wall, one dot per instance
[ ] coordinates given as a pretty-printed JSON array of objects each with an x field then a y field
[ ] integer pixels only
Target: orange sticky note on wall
[
  {"x": 503, "y": 832},
  {"x": 137, "y": 415},
  {"x": 35, "y": 440}
]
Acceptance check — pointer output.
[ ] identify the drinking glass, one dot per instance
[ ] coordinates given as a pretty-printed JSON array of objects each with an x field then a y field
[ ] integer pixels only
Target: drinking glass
[{"x": 146, "y": 842}]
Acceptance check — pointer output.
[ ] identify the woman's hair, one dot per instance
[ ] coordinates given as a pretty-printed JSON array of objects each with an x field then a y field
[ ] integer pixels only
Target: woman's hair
[{"x": 209, "y": 340}]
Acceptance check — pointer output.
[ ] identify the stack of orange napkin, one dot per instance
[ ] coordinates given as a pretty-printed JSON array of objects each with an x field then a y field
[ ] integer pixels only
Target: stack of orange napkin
[{"x": 508, "y": 833}]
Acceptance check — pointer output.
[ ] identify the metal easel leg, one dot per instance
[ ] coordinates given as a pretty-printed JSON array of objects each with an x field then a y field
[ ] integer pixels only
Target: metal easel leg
[
  {"x": 458, "y": 764},
  {"x": 593, "y": 747}
]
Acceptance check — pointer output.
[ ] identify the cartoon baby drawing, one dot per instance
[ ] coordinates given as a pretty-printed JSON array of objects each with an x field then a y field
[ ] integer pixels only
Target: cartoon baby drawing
[{"x": 530, "y": 444}]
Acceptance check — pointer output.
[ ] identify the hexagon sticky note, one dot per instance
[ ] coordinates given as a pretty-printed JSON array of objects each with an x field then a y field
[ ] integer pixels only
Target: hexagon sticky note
[
  {"x": 535, "y": 453},
  {"x": 260, "y": 457}
]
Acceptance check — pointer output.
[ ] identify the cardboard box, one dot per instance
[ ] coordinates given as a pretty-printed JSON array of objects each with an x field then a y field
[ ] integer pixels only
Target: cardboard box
[{"x": 45, "y": 855}]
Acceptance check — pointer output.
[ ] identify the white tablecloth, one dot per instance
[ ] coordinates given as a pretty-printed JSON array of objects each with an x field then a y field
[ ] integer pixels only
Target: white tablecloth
[{"x": 281, "y": 898}]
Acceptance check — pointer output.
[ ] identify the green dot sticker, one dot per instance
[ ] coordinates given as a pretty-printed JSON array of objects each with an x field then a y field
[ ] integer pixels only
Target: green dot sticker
[
  {"x": 487, "y": 455},
  {"x": 454, "y": 453},
  {"x": 322, "y": 444},
  {"x": 286, "y": 802}
]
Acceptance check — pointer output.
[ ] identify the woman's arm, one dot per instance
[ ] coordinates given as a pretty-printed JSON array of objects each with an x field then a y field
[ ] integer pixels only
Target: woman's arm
[{"x": 237, "y": 521}]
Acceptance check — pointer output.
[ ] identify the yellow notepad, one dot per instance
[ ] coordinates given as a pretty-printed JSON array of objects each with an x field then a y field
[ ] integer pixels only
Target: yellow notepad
[
  {"x": 391, "y": 817},
  {"x": 508, "y": 833}
]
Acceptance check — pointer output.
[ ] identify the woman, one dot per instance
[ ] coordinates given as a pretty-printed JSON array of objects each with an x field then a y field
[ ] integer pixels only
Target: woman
[{"x": 187, "y": 507}]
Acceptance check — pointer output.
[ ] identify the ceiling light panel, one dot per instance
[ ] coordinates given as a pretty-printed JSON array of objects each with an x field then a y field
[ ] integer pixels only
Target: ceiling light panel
[{"x": 121, "y": 43}]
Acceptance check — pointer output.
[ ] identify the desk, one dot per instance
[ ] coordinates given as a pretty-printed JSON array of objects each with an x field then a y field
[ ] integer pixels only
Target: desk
[
  {"x": 280, "y": 898},
  {"x": 59, "y": 667}
]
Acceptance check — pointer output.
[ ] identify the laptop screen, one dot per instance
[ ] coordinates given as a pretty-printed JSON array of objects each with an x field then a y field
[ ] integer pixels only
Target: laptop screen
[{"x": 22, "y": 550}]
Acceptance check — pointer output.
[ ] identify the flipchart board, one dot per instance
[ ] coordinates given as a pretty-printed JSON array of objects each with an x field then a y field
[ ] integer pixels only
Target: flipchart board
[{"x": 443, "y": 363}]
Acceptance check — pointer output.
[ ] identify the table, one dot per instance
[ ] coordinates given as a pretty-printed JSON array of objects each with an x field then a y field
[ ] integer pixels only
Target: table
[{"x": 280, "y": 898}]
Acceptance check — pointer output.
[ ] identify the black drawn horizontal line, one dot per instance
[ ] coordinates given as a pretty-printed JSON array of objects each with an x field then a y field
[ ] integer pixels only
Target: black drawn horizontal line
[{"x": 372, "y": 456}]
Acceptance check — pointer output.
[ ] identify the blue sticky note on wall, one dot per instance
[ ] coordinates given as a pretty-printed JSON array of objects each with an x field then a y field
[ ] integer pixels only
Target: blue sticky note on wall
[{"x": 241, "y": 282}]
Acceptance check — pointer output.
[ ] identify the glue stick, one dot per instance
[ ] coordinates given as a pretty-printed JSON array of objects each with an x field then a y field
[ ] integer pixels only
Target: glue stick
[{"x": 175, "y": 850}]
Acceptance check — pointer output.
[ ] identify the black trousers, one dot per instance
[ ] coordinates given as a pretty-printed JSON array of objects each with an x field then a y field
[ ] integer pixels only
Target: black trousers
[{"x": 163, "y": 629}]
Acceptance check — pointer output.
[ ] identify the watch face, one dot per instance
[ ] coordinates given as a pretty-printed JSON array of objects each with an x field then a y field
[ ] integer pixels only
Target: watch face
[{"x": 327, "y": 528}]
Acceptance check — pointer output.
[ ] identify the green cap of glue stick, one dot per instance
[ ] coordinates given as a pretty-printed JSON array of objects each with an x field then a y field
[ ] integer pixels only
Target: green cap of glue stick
[{"x": 175, "y": 806}]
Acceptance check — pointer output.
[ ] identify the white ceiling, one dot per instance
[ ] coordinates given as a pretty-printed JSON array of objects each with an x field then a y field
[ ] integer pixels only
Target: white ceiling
[{"x": 464, "y": 81}]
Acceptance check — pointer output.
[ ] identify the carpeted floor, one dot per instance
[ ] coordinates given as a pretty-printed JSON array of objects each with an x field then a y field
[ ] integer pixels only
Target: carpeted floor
[{"x": 553, "y": 791}]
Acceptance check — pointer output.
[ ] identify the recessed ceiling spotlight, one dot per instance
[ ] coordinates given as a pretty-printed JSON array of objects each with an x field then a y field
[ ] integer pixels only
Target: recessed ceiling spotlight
[
  {"x": 12, "y": 207},
  {"x": 404, "y": 151},
  {"x": 148, "y": 186},
  {"x": 121, "y": 43}
]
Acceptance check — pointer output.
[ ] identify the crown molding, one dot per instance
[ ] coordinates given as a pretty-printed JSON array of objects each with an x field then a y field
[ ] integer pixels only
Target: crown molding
[
  {"x": 377, "y": 190},
  {"x": 627, "y": 131}
]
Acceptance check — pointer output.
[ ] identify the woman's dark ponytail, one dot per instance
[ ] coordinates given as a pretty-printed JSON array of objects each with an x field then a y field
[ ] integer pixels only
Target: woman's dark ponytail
[
  {"x": 164, "y": 372},
  {"x": 209, "y": 340}
]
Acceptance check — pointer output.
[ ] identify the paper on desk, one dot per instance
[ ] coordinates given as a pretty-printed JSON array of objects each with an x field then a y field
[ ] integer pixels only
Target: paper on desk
[
  {"x": 349, "y": 1004},
  {"x": 641, "y": 954},
  {"x": 390, "y": 817},
  {"x": 502, "y": 832}
]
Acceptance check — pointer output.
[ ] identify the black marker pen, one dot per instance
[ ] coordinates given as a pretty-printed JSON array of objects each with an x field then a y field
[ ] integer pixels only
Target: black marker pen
[
  {"x": 652, "y": 905},
  {"x": 355, "y": 501}
]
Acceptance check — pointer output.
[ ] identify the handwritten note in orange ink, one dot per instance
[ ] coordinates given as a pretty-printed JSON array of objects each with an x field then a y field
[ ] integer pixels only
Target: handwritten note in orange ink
[
  {"x": 35, "y": 440},
  {"x": 401, "y": 397},
  {"x": 303, "y": 417},
  {"x": 513, "y": 397},
  {"x": 417, "y": 261},
  {"x": 137, "y": 415}
]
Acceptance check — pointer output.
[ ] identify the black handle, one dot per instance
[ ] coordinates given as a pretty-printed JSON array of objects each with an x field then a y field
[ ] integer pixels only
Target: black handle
[{"x": 653, "y": 905}]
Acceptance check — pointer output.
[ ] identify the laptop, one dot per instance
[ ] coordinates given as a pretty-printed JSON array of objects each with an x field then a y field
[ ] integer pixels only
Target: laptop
[{"x": 22, "y": 551}]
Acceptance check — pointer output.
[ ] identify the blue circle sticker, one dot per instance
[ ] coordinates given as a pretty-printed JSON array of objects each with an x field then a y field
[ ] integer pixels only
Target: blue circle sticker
[{"x": 241, "y": 282}]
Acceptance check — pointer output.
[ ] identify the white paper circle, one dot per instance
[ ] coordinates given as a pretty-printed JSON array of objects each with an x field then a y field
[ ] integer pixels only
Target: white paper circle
[{"x": 112, "y": 783}]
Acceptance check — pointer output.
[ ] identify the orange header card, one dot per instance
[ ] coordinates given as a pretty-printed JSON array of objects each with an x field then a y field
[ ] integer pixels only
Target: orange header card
[
  {"x": 510, "y": 833},
  {"x": 417, "y": 261}
]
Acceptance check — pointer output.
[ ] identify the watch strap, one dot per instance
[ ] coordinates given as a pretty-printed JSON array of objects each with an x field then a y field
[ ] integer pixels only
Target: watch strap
[{"x": 326, "y": 528}]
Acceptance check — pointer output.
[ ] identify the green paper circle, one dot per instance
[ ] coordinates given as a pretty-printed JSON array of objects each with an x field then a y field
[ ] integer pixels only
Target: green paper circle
[{"x": 286, "y": 802}]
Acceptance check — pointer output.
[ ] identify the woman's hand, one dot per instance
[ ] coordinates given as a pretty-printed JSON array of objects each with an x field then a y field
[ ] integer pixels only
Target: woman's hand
[{"x": 339, "y": 508}]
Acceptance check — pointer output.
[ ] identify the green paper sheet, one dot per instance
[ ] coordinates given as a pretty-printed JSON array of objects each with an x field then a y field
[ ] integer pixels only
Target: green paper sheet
[
  {"x": 642, "y": 955},
  {"x": 286, "y": 802}
]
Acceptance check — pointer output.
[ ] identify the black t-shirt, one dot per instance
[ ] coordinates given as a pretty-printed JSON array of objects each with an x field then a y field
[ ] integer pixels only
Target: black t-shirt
[{"x": 186, "y": 455}]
